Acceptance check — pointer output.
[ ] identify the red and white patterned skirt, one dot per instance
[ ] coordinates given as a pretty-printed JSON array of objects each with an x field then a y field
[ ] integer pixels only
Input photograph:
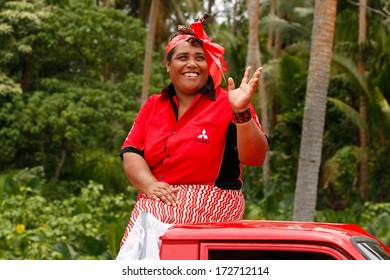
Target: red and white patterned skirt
[{"x": 196, "y": 204}]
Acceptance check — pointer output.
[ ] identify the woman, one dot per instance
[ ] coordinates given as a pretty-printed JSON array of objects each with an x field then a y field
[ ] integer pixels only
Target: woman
[{"x": 185, "y": 149}]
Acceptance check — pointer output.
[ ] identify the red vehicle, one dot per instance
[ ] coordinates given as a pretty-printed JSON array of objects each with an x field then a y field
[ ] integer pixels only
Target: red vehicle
[{"x": 270, "y": 240}]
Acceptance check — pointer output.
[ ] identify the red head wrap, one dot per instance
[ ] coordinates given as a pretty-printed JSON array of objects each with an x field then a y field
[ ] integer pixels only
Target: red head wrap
[{"x": 214, "y": 52}]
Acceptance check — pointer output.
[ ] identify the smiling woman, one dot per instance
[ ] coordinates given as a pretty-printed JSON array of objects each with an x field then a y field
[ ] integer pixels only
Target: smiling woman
[
  {"x": 186, "y": 146},
  {"x": 188, "y": 69}
]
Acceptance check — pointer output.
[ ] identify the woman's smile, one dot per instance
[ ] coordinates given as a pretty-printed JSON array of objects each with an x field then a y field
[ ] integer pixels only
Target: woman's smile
[{"x": 191, "y": 74}]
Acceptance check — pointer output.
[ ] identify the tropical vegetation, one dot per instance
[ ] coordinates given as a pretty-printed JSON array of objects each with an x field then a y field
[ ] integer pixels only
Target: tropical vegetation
[{"x": 71, "y": 83}]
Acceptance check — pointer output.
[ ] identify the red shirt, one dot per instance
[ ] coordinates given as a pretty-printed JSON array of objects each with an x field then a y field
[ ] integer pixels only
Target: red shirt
[{"x": 199, "y": 148}]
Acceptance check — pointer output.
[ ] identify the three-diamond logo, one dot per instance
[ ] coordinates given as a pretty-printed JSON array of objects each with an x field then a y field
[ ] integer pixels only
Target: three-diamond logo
[{"x": 202, "y": 137}]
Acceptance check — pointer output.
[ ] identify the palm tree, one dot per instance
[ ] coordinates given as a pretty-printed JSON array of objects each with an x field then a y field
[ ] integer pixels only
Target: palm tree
[
  {"x": 362, "y": 101},
  {"x": 314, "y": 111},
  {"x": 270, "y": 40},
  {"x": 377, "y": 124},
  {"x": 154, "y": 12},
  {"x": 253, "y": 59},
  {"x": 368, "y": 83}
]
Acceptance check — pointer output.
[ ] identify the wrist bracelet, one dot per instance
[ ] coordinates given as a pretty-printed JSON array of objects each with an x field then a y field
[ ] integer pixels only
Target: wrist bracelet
[{"x": 243, "y": 117}]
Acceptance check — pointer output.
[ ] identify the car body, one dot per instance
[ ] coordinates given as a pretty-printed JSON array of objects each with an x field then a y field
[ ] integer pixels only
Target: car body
[{"x": 271, "y": 240}]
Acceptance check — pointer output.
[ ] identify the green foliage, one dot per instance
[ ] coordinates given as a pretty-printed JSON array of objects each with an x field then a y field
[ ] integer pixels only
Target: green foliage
[
  {"x": 10, "y": 132},
  {"x": 70, "y": 78},
  {"x": 87, "y": 226},
  {"x": 8, "y": 86},
  {"x": 98, "y": 42},
  {"x": 378, "y": 220},
  {"x": 373, "y": 217},
  {"x": 82, "y": 93},
  {"x": 379, "y": 172},
  {"x": 338, "y": 172},
  {"x": 275, "y": 204},
  {"x": 293, "y": 82},
  {"x": 52, "y": 126},
  {"x": 20, "y": 22}
]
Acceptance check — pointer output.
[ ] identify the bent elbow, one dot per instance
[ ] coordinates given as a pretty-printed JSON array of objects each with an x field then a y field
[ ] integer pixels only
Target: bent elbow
[{"x": 253, "y": 160}]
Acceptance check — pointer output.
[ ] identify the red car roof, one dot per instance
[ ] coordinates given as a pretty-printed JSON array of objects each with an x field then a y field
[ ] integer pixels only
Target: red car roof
[{"x": 266, "y": 230}]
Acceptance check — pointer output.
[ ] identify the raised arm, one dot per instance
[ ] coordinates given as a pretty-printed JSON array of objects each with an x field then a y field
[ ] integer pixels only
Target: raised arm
[{"x": 252, "y": 143}]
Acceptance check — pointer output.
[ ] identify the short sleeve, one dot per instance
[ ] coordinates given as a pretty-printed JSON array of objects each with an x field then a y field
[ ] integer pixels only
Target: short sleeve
[{"x": 135, "y": 137}]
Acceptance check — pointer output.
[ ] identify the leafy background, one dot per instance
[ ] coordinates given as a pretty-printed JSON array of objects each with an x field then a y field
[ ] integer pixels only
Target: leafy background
[{"x": 70, "y": 85}]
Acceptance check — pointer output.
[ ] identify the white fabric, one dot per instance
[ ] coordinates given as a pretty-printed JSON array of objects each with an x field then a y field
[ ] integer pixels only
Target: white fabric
[{"x": 143, "y": 242}]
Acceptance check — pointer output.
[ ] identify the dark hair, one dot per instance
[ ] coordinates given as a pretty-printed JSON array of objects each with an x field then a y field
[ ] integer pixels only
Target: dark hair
[{"x": 169, "y": 55}]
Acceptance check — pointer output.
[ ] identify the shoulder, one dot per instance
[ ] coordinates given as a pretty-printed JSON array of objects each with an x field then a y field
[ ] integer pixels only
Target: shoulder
[
  {"x": 152, "y": 103},
  {"x": 156, "y": 98}
]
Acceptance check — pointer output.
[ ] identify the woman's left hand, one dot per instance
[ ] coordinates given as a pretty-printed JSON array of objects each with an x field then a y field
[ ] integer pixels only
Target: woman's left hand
[{"x": 241, "y": 97}]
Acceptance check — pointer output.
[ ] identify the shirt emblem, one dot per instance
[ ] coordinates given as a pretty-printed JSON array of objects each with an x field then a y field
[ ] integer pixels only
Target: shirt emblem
[{"x": 202, "y": 137}]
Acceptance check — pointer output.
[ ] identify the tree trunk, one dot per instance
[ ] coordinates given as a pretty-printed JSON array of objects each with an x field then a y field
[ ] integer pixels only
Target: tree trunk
[
  {"x": 26, "y": 72},
  {"x": 253, "y": 54},
  {"x": 60, "y": 164},
  {"x": 210, "y": 7},
  {"x": 253, "y": 59},
  {"x": 234, "y": 22},
  {"x": 270, "y": 40},
  {"x": 154, "y": 9},
  {"x": 363, "y": 102},
  {"x": 314, "y": 111},
  {"x": 278, "y": 35},
  {"x": 276, "y": 52}
]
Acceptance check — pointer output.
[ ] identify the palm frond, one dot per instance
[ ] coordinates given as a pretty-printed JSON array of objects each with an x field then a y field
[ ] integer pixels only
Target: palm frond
[
  {"x": 350, "y": 67},
  {"x": 271, "y": 77},
  {"x": 304, "y": 11},
  {"x": 383, "y": 105},
  {"x": 277, "y": 24},
  {"x": 332, "y": 168},
  {"x": 349, "y": 112}
]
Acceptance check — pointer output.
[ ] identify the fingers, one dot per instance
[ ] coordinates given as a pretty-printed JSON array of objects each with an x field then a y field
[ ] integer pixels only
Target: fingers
[
  {"x": 245, "y": 79},
  {"x": 257, "y": 74},
  {"x": 164, "y": 192},
  {"x": 241, "y": 97},
  {"x": 254, "y": 79},
  {"x": 231, "y": 85}
]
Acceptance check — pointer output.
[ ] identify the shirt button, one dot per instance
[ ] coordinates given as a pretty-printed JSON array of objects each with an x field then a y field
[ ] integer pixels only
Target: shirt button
[
  {"x": 173, "y": 132},
  {"x": 161, "y": 177},
  {"x": 168, "y": 155}
]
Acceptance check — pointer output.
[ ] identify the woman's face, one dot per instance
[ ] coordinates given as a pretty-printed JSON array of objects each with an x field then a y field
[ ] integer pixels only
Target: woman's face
[{"x": 188, "y": 69}]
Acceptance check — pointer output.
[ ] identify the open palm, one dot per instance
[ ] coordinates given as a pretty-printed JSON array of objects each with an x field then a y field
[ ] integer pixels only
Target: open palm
[{"x": 241, "y": 97}]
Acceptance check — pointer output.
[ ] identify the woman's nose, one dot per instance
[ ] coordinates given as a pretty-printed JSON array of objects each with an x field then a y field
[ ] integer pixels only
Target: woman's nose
[{"x": 192, "y": 63}]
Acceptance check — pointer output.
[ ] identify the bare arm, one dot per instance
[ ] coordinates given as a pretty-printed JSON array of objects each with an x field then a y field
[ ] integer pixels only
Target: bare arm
[
  {"x": 139, "y": 174},
  {"x": 252, "y": 144}
]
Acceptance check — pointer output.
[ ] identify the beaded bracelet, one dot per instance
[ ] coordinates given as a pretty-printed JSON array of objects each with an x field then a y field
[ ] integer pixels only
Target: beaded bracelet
[{"x": 243, "y": 117}]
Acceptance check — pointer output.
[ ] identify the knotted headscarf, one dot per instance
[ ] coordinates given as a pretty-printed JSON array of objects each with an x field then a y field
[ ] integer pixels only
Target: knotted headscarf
[{"x": 214, "y": 52}]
